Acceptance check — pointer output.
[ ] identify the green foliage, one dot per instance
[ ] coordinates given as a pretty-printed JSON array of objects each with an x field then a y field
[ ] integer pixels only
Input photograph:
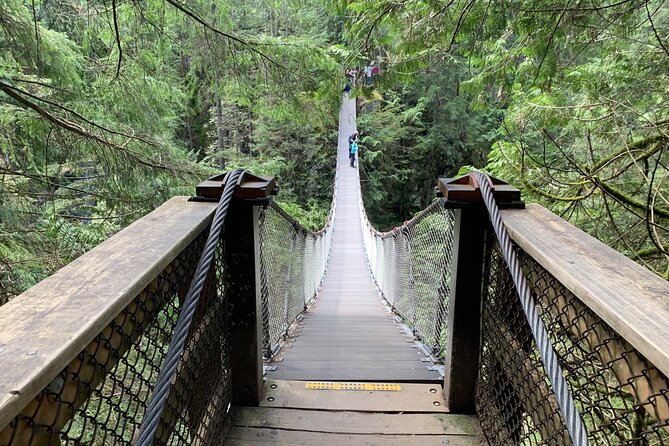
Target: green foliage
[
  {"x": 413, "y": 135},
  {"x": 573, "y": 98},
  {"x": 105, "y": 112}
]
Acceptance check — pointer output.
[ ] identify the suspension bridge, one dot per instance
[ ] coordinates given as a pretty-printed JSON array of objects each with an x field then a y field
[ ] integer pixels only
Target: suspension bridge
[{"x": 221, "y": 320}]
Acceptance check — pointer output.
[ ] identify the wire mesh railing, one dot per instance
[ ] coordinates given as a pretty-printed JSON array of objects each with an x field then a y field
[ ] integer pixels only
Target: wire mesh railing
[
  {"x": 102, "y": 394},
  {"x": 292, "y": 266},
  {"x": 622, "y": 398},
  {"x": 411, "y": 266}
]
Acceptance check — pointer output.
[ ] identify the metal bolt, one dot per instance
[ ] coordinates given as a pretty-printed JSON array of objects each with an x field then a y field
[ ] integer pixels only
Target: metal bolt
[
  {"x": 433, "y": 390},
  {"x": 437, "y": 403},
  {"x": 445, "y": 441},
  {"x": 270, "y": 399},
  {"x": 273, "y": 386}
]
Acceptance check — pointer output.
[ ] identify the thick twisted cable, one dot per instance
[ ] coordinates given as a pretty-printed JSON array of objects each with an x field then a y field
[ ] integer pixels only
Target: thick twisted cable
[
  {"x": 565, "y": 400},
  {"x": 162, "y": 389}
]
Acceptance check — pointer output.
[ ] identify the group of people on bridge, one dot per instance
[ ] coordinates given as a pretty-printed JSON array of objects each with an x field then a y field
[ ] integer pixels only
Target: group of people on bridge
[{"x": 370, "y": 71}]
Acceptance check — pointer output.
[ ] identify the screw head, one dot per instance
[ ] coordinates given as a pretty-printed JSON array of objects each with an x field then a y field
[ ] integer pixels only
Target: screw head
[
  {"x": 436, "y": 403},
  {"x": 270, "y": 399}
]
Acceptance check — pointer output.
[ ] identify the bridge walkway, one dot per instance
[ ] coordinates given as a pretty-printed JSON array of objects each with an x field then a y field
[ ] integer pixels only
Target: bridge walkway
[
  {"x": 350, "y": 335},
  {"x": 349, "y": 373}
]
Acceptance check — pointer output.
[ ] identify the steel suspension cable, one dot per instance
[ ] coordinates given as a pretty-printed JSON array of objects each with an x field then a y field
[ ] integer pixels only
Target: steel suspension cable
[
  {"x": 161, "y": 391},
  {"x": 549, "y": 357}
]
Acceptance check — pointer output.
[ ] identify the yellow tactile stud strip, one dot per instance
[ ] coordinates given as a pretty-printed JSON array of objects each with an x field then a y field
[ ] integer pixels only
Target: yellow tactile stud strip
[{"x": 315, "y": 385}]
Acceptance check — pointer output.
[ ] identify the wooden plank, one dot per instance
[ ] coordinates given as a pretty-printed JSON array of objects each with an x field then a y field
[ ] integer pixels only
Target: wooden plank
[
  {"x": 43, "y": 329},
  {"x": 246, "y": 435},
  {"x": 345, "y": 353},
  {"x": 344, "y": 366},
  {"x": 412, "y": 398},
  {"x": 630, "y": 298},
  {"x": 388, "y": 374},
  {"x": 355, "y": 422}
]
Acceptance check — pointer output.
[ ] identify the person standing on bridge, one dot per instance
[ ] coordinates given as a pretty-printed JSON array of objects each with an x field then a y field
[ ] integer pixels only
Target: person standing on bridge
[{"x": 352, "y": 147}]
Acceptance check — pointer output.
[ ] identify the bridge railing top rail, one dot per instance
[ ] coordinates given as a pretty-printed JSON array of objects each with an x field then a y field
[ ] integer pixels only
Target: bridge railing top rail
[
  {"x": 43, "y": 329},
  {"x": 627, "y": 296}
]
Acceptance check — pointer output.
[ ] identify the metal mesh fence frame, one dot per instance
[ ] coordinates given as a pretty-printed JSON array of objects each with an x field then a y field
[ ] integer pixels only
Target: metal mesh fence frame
[
  {"x": 293, "y": 261},
  {"x": 622, "y": 398},
  {"x": 101, "y": 396},
  {"x": 411, "y": 266}
]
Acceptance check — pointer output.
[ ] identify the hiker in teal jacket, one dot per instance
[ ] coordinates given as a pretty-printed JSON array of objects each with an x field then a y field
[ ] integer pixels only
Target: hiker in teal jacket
[{"x": 352, "y": 150}]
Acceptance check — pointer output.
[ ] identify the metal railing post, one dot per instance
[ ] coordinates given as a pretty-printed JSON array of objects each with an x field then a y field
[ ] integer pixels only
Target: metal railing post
[{"x": 463, "y": 343}]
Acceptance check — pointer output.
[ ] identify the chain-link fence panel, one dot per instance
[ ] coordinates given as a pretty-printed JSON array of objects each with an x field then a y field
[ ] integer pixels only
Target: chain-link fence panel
[
  {"x": 621, "y": 397},
  {"x": 101, "y": 396},
  {"x": 292, "y": 266},
  {"x": 412, "y": 268}
]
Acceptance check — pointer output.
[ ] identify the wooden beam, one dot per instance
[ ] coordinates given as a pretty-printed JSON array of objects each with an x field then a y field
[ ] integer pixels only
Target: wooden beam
[
  {"x": 343, "y": 422},
  {"x": 463, "y": 341},
  {"x": 45, "y": 328},
  {"x": 627, "y": 296},
  {"x": 243, "y": 289},
  {"x": 424, "y": 398}
]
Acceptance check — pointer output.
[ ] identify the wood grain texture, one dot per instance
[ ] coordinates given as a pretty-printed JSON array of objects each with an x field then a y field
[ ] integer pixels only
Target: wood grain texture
[
  {"x": 355, "y": 422},
  {"x": 43, "y": 329},
  {"x": 627, "y": 296},
  {"x": 250, "y": 436}
]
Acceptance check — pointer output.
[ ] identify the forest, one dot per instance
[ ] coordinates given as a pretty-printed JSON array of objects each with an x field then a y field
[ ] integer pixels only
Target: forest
[{"x": 110, "y": 107}]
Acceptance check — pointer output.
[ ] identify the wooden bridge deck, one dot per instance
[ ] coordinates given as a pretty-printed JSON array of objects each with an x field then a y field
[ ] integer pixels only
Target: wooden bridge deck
[
  {"x": 350, "y": 335},
  {"x": 292, "y": 414}
]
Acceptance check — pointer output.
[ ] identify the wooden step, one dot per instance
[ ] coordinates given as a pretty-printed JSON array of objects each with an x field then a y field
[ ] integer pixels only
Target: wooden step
[{"x": 316, "y": 413}]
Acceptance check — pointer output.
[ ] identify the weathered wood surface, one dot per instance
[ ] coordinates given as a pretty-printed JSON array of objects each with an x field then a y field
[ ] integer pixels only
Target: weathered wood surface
[
  {"x": 350, "y": 335},
  {"x": 43, "y": 329},
  {"x": 349, "y": 417},
  {"x": 411, "y": 398},
  {"x": 246, "y": 436},
  {"x": 356, "y": 422},
  {"x": 627, "y": 296}
]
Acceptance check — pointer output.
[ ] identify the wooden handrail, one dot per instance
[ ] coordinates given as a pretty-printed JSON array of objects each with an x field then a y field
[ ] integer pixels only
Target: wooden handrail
[
  {"x": 46, "y": 327},
  {"x": 627, "y": 296}
]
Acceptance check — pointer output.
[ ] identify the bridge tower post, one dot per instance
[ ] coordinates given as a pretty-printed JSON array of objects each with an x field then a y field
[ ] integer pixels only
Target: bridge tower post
[
  {"x": 472, "y": 227},
  {"x": 242, "y": 281}
]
